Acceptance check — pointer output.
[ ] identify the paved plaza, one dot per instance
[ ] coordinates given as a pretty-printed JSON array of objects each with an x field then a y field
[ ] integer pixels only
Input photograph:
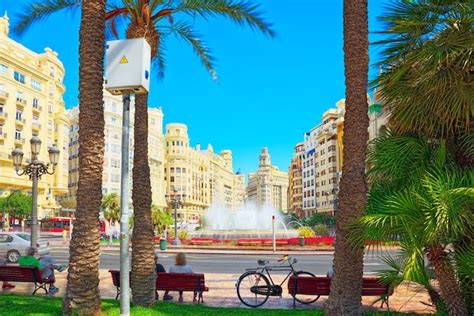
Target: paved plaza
[{"x": 222, "y": 292}]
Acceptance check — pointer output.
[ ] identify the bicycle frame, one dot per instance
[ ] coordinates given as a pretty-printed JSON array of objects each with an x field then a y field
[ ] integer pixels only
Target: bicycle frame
[{"x": 266, "y": 270}]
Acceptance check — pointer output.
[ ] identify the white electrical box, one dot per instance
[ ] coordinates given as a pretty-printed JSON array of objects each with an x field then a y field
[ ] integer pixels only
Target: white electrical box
[{"x": 127, "y": 68}]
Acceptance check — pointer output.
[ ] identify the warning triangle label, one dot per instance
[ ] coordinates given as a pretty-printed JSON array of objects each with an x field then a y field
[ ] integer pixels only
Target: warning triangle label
[{"x": 124, "y": 60}]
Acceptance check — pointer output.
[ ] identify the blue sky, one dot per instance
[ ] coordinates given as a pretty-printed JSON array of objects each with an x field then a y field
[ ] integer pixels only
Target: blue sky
[{"x": 270, "y": 91}]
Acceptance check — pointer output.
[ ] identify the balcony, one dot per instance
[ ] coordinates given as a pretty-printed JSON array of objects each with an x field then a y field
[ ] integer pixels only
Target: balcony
[
  {"x": 19, "y": 141},
  {"x": 3, "y": 95},
  {"x": 3, "y": 115},
  {"x": 3, "y": 136},
  {"x": 36, "y": 126},
  {"x": 5, "y": 157},
  {"x": 20, "y": 122},
  {"x": 20, "y": 102},
  {"x": 37, "y": 109}
]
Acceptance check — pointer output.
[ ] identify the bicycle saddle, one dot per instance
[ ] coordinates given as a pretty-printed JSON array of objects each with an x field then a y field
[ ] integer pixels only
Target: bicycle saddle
[{"x": 263, "y": 262}]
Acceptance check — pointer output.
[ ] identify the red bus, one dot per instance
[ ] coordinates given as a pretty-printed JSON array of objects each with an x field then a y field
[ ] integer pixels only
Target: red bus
[{"x": 56, "y": 225}]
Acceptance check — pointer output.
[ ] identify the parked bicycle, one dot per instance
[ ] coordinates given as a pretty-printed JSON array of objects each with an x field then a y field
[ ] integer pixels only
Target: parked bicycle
[{"x": 254, "y": 287}]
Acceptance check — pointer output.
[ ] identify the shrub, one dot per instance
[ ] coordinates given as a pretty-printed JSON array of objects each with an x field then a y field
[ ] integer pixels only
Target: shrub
[
  {"x": 305, "y": 231},
  {"x": 183, "y": 235},
  {"x": 321, "y": 230}
]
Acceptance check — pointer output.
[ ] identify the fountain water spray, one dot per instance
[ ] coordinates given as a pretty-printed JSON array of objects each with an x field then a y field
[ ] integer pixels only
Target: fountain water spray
[{"x": 250, "y": 217}]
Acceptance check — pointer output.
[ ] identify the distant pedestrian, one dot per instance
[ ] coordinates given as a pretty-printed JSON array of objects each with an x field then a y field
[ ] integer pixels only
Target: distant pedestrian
[
  {"x": 64, "y": 236},
  {"x": 160, "y": 269}
]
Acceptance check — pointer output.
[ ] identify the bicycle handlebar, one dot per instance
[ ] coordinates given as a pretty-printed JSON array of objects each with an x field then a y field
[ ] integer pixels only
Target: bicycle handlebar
[{"x": 285, "y": 258}]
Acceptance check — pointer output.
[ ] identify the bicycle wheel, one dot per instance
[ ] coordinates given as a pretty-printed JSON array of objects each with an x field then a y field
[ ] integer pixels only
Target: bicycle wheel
[
  {"x": 253, "y": 288},
  {"x": 305, "y": 298}
]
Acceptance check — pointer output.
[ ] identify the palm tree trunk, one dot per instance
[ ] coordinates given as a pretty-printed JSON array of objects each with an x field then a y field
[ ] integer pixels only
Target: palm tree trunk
[
  {"x": 345, "y": 298},
  {"x": 82, "y": 295},
  {"x": 450, "y": 289},
  {"x": 143, "y": 261}
]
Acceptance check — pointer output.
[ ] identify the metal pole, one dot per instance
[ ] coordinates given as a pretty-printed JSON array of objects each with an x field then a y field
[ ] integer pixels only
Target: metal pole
[
  {"x": 273, "y": 233},
  {"x": 34, "y": 209},
  {"x": 124, "y": 212},
  {"x": 176, "y": 240}
]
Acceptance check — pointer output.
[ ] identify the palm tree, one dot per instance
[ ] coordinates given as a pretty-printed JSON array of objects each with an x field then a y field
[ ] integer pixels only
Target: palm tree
[
  {"x": 344, "y": 298},
  {"x": 427, "y": 67},
  {"x": 111, "y": 207},
  {"x": 146, "y": 19},
  {"x": 82, "y": 292},
  {"x": 82, "y": 295},
  {"x": 425, "y": 200},
  {"x": 160, "y": 219}
]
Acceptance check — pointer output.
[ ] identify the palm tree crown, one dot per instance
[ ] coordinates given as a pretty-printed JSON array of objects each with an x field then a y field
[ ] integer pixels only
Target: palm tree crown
[
  {"x": 427, "y": 66},
  {"x": 156, "y": 19}
]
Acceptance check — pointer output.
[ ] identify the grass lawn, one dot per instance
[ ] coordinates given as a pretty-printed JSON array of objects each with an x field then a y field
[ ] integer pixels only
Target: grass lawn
[{"x": 43, "y": 305}]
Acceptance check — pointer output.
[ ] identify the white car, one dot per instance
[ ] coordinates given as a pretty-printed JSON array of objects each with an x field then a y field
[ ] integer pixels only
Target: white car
[{"x": 14, "y": 245}]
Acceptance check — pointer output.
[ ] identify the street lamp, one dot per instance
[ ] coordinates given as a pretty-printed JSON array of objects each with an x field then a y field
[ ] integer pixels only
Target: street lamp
[
  {"x": 177, "y": 201},
  {"x": 35, "y": 169}
]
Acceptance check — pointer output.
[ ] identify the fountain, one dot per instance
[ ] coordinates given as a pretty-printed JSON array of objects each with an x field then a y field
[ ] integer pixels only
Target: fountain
[{"x": 249, "y": 222}]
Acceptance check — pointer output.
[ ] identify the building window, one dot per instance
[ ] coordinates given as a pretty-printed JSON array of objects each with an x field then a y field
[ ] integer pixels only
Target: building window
[
  {"x": 51, "y": 71},
  {"x": 18, "y": 115},
  {"x": 152, "y": 121},
  {"x": 36, "y": 85},
  {"x": 18, "y": 134},
  {"x": 51, "y": 89},
  {"x": 1, "y": 107},
  {"x": 113, "y": 120},
  {"x": 115, "y": 148},
  {"x": 3, "y": 69},
  {"x": 36, "y": 103},
  {"x": 115, "y": 177},
  {"x": 115, "y": 163},
  {"x": 19, "y": 77},
  {"x": 114, "y": 107}
]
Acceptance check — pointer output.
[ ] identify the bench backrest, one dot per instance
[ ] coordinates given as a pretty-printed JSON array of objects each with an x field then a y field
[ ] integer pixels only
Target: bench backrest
[
  {"x": 20, "y": 274},
  {"x": 180, "y": 281},
  {"x": 372, "y": 286},
  {"x": 171, "y": 281},
  {"x": 115, "y": 277},
  {"x": 309, "y": 285}
]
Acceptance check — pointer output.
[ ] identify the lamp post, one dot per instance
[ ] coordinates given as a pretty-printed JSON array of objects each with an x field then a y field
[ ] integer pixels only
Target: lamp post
[
  {"x": 176, "y": 200},
  {"x": 35, "y": 169}
]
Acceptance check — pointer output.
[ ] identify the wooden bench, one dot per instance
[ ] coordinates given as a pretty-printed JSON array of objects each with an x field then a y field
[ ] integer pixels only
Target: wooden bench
[
  {"x": 24, "y": 274},
  {"x": 191, "y": 282},
  {"x": 371, "y": 286}
]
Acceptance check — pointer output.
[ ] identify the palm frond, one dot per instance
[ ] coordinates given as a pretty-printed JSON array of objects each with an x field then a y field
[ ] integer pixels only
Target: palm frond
[
  {"x": 40, "y": 10},
  {"x": 427, "y": 59},
  {"x": 186, "y": 32},
  {"x": 244, "y": 13},
  {"x": 159, "y": 61},
  {"x": 114, "y": 16}
]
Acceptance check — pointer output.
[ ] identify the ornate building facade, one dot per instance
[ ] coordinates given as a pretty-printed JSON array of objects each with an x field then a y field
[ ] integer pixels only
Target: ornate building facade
[
  {"x": 268, "y": 185},
  {"x": 31, "y": 104}
]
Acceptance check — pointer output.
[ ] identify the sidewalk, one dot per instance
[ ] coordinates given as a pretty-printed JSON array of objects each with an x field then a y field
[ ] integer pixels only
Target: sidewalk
[{"x": 222, "y": 293}]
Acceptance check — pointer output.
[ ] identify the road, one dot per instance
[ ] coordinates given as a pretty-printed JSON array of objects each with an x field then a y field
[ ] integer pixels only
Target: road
[{"x": 229, "y": 263}]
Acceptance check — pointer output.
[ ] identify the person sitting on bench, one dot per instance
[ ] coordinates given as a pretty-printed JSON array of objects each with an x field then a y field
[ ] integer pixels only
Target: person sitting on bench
[
  {"x": 46, "y": 265},
  {"x": 160, "y": 269},
  {"x": 181, "y": 266}
]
